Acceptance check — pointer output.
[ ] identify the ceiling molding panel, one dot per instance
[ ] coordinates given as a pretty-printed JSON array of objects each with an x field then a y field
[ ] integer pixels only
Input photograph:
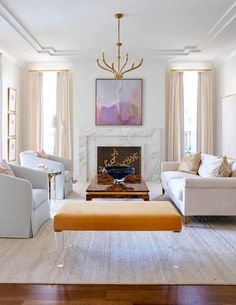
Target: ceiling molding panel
[
  {"x": 223, "y": 22},
  {"x": 219, "y": 27}
]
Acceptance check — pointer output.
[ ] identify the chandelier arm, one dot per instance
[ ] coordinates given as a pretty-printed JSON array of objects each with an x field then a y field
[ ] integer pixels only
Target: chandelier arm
[
  {"x": 134, "y": 67},
  {"x": 108, "y": 66},
  {"x": 100, "y": 66},
  {"x": 125, "y": 63}
]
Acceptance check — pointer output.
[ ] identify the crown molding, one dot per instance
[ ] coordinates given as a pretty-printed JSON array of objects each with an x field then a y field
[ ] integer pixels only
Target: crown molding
[{"x": 223, "y": 22}]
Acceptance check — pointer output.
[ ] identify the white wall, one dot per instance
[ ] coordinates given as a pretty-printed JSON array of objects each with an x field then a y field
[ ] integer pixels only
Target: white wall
[
  {"x": 85, "y": 72},
  {"x": 226, "y": 85},
  {"x": 11, "y": 77}
]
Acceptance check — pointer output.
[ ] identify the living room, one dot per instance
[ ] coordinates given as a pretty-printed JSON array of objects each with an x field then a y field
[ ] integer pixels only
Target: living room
[{"x": 117, "y": 135}]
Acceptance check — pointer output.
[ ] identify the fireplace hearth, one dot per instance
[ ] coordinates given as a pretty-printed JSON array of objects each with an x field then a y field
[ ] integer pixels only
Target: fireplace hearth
[{"x": 118, "y": 156}]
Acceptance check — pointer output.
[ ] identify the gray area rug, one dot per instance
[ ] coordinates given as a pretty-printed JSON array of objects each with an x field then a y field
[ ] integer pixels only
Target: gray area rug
[{"x": 203, "y": 253}]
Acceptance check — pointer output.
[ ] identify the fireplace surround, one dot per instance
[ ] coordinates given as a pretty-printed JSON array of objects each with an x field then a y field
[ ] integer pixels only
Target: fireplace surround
[{"x": 147, "y": 139}]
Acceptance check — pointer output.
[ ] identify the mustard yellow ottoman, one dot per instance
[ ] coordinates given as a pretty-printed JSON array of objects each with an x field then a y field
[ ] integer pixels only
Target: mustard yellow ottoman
[{"x": 116, "y": 216}]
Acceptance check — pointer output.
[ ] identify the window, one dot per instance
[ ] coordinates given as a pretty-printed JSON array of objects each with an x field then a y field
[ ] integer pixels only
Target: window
[
  {"x": 49, "y": 111},
  {"x": 190, "y": 79}
]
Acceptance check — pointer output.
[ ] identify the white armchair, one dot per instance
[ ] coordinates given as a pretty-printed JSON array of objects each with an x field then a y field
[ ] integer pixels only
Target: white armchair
[
  {"x": 63, "y": 182},
  {"x": 24, "y": 203}
]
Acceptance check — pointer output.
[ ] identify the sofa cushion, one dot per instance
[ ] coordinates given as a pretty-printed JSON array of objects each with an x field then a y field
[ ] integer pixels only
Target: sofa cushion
[
  {"x": 167, "y": 176},
  {"x": 215, "y": 167},
  {"x": 190, "y": 163},
  {"x": 176, "y": 187},
  {"x": 39, "y": 196},
  {"x": 68, "y": 175}
]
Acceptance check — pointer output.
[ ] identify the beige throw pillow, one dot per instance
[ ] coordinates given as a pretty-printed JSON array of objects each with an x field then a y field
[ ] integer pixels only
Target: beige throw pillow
[
  {"x": 190, "y": 163},
  {"x": 42, "y": 154},
  {"x": 5, "y": 169},
  {"x": 219, "y": 167}
]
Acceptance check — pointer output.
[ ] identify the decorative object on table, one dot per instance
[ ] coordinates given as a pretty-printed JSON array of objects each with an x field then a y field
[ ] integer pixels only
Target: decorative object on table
[
  {"x": 11, "y": 149},
  {"x": 118, "y": 156},
  {"x": 118, "y": 70},
  {"x": 118, "y": 173},
  {"x": 11, "y": 100},
  {"x": 42, "y": 167},
  {"x": 119, "y": 102},
  {"x": 11, "y": 125},
  {"x": 52, "y": 175}
]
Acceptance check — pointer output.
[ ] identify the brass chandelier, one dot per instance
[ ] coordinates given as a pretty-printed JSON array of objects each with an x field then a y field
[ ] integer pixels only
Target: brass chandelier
[{"x": 118, "y": 70}]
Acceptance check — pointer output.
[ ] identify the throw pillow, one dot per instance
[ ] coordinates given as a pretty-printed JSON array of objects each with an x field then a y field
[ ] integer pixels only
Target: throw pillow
[
  {"x": 233, "y": 167},
  {"x": 42, "y": 154},
  {"x": 219, "y": 167},
  {"x": 190, "y": 163},
  {"x": 5, "y": 169}
]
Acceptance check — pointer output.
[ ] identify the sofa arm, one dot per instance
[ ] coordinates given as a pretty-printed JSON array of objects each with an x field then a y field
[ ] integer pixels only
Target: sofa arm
[
  {"x": 68, "y": 165},
  {"x": 169, "y": 166},
  {"x": 218, "y": 182},
  {"x": 37, "y": 178}
]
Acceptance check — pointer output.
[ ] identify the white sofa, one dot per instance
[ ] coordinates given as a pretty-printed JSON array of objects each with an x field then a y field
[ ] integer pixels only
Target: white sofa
[
  {"x": 24, "y": 203},
  {"x": 194, "y": 195},
  {"x": 63, "y": 182}
]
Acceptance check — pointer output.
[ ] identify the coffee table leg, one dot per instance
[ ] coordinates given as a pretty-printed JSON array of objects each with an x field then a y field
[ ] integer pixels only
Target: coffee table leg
[{"x": 89, "y": 197}]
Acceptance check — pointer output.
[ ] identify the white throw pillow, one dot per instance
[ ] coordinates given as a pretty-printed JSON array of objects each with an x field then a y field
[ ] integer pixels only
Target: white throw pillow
[
  {"x": 233, "y": 167},
  {"x": 205, "y": 161},
  {"x": 217, "y": 167}
]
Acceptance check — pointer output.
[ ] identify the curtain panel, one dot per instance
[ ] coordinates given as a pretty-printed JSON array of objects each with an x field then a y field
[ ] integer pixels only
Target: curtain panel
[
  {"x": 35, "y": 113},
  {"x": 63, "y": 138},
  {"x": 205, "y": 112},
  {"x": 175, "y": 117}
]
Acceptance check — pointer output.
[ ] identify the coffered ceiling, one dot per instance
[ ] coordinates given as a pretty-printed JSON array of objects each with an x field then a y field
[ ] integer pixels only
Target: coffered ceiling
[{"x": 33, "y": 30}]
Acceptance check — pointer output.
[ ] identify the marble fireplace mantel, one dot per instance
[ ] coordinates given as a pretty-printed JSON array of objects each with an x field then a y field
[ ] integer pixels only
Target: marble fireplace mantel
[{"x": 147, "y": 139}]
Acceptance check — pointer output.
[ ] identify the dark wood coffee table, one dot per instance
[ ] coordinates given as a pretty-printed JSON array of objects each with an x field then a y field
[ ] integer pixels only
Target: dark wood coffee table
[{"x": 129, "y": 190}]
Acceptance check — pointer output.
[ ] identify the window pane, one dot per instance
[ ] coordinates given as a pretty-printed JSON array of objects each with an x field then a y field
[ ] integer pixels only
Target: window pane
[
  {"x": 190, "y": 111},
  {"x": 49, "y": 111}
]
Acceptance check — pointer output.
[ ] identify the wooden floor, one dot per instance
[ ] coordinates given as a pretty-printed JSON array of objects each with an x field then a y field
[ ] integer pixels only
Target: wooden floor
[{"x": 22, "y": 294}]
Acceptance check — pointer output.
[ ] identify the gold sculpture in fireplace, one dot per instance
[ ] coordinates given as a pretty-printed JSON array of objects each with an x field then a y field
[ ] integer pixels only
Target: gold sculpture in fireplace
[
  {"x": 116, "y": 158},
  {"x": 113, "y": 161}
]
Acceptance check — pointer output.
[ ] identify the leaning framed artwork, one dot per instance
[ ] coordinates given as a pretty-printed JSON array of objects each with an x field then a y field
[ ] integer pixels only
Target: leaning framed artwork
[
  {"x": 11, "y": 100},
  {"x": 11, "y": 125},
  {"x": 118, "y": 102},
  {"x": 11, "y": 149}
]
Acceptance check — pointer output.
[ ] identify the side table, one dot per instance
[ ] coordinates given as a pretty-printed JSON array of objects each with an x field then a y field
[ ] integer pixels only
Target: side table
[{"x": 52, "y": 176}]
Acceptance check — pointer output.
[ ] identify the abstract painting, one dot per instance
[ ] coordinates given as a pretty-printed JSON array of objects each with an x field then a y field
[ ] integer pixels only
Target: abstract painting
[{"x": 119, "y": 102}]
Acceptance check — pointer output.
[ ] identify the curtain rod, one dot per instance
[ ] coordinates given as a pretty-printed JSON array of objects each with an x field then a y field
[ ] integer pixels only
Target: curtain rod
[
  {"x": 63, "y": 70},
  {"x": 190, "y": 70}
]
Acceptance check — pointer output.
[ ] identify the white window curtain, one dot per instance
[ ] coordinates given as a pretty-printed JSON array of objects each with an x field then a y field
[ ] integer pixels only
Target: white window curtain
[
  {"x": 35, "y": 86},
  {"x": 63, "y": 137},
  {"x": 175, "y": 117},
  {"x": 205, "y": 113}
]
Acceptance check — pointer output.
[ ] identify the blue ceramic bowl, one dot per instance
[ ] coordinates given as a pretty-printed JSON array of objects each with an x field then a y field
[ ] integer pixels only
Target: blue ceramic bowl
[{"x": 118, "y": 173}]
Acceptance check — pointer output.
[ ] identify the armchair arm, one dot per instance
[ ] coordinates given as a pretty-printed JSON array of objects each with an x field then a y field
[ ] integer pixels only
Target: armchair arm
[
  {"x": 15, "y": 207},
  {"x": 169, "y": 166},
  {"x": 37, "y": 178},
  {"x": 218, "y": 182},
  {"x": 68, "y": 164},
  {"x": 30, "y": 161}
]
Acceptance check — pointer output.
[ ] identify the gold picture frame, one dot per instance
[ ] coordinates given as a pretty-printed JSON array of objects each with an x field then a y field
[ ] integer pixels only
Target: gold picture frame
[
  {"x": 11, "y": 149},
  {"x": 11, "y": 100}
]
